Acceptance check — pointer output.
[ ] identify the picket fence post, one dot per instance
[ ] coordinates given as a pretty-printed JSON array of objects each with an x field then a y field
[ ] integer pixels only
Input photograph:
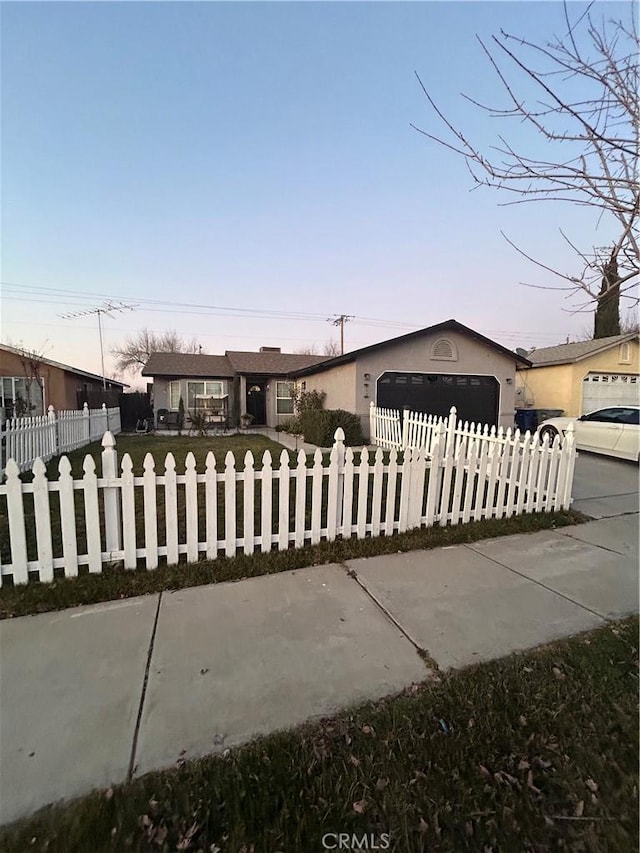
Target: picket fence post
[
  {"x": 85, "y": 422},
  {"x": 451, "y": 431},
  {"x": 338, "y": 443},
  {"x": 112, "y": 509},
  {"x": 373, "y": 436},
  {"x": 405, "y": 427}
]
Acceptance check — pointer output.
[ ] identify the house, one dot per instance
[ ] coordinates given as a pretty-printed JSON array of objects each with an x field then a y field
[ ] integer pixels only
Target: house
[
  {"x": 58, "y": 385},
  {"x": 225, "y": 387},
  {"x": 430, "y": 370},
  {"x": 583, "y": 376}
]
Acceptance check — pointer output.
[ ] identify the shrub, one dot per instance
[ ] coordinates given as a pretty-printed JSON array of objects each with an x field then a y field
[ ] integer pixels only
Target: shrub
[{"x": 319, "y": 426}]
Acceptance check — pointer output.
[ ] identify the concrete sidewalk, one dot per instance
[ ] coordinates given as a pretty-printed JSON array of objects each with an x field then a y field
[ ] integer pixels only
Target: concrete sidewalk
[{"x": 95, "y": 695}]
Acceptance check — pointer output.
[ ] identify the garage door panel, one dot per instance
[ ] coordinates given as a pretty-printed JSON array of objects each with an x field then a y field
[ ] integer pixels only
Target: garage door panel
[
  {"x": 600, "y": 390},
  {"x": 475, "y": 397}
]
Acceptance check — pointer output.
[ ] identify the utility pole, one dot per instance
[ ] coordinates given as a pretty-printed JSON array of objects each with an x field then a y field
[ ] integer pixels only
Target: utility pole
[
  {"x": 108, "y": 308},
  {"x": 340, "y": 320}
]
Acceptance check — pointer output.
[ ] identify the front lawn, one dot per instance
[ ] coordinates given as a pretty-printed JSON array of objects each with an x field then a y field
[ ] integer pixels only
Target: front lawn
[
  {"x": 158, "y": 445},
  {"x": 534, "y": 752}
]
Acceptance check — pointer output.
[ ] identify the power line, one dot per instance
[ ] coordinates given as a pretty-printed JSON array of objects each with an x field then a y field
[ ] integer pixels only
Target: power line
[{"x": 176, "y": 307}]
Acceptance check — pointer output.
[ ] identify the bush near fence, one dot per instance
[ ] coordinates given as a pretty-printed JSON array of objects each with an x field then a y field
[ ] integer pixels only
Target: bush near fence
[
  {"x": 319, "y": 426},
  {"x": 63, "y": 525}
]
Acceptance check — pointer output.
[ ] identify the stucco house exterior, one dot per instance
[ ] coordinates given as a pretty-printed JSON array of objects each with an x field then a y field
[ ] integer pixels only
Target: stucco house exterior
[
  {"x": 225, "y": 387},
  {"x": 582, "y": 376},
  {"x": 60, "y": 385},
  {"x": 429, "y": 370}
]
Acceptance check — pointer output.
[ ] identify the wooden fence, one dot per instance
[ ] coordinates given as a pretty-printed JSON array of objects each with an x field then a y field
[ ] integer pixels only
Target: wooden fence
[
  {"x": 55, "y": 526},
  {"x": 26, "y": 439}
]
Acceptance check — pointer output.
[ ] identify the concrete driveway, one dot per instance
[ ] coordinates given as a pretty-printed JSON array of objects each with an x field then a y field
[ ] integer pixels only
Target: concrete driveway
[{"x": 604, "y": 487}]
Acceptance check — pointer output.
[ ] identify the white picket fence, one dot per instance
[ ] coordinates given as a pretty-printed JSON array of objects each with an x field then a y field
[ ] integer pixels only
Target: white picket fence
[
  {"x": 141, "y": 520},
  {"x": 26, "y": 439},
  {"x": 388, "y": 428}
]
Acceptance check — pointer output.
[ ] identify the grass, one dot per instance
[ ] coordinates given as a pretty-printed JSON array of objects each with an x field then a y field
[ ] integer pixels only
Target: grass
[
  {"x": 117, "y": 583},
  {"x": 158, "y": 445},
  {"x": 534, "y": 752}
]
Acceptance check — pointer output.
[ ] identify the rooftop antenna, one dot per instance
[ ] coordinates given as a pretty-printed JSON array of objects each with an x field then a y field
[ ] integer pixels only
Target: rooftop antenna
[{"x": 108, "y": 309}]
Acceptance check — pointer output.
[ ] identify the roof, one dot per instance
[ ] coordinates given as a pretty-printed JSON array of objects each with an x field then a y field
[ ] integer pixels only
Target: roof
[
  {"x": 226, "y": 366},
  {"x": 570, "y": 353},
  {"x": 274, "y": 363},
  {"x": 188, "y": 364},
  {"x": 446, "y": 326},
  {"x": 66, "y": 367}
]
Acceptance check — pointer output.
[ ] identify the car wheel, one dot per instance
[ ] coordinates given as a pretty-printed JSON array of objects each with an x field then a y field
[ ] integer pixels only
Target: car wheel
[{"x": 552, "y": 432}]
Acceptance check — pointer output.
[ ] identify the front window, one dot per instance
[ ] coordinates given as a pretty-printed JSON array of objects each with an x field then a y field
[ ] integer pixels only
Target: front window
[
  {"x": 284, "y": 398},
  {"x": 199, "y": 391},
  {"x": 21, "y": 397},
  {"x": 174, "y": 395}
]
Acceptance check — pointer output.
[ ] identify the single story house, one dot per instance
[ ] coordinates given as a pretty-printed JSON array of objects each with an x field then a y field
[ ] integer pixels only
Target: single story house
[
  {"x": 430, "y": 370},
  {"x": 58, "y": 385},
  {"x": 225, "y": 387},
  {"x": 583, "y": 376}
]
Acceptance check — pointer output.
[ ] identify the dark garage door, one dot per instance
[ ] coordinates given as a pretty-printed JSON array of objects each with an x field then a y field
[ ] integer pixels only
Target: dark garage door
[{"x": 475, "y": 397}]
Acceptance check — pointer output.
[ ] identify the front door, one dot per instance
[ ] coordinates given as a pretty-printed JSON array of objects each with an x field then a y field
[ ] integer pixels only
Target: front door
[{"x": 257, "y": 402}]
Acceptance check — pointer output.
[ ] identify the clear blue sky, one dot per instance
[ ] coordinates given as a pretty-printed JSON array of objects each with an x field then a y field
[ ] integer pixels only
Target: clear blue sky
[{"x": 259, "y": 156}]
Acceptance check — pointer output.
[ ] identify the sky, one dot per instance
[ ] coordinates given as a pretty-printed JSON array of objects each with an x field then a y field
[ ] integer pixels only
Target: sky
[{"x": 244, "y": 172}]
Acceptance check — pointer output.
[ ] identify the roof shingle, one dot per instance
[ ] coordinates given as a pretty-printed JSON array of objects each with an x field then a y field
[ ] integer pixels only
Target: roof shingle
[
  {"x": 188, "y": 364},
  {"x": 569, "y": 353},
  {"x": 274, "y": 363},
  {"x": 228, "y": 365}
]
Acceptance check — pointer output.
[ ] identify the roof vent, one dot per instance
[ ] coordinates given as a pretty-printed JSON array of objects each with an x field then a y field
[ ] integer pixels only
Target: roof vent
[
  {"x": 270, "y": 349},
  {"x": 521, "y": 351},
  {"x": 444, "y": 350}
]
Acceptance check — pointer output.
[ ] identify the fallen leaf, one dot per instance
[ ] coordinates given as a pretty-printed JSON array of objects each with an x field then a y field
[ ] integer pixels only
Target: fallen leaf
[
  {"x": 579, "y": 809},
  {"x": 204, "y": 670},
  {"x": 524, "y": 764},
  {"x": 522, "y": 720},
  {"x": 360, "y": 806},
  {"x": 591, "y": 785},
  {"x": 355, "y": 761},
  {"x": 423, "y": 826},
  {"x": 484, "y": 772},
  {"x": 381, "y": 784},
  {"x": 108, "y": 794},
  {"x": 559, "y": 674},
  {"x": 527, "y": 669},
  {"x": 530, "y": 784},
  {"x": 160, "y": 835},
  {"x": 367, "y": 730}
]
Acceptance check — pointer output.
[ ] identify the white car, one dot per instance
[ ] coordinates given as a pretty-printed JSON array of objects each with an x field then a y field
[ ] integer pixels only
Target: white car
[{"x": 614, "y": 431}]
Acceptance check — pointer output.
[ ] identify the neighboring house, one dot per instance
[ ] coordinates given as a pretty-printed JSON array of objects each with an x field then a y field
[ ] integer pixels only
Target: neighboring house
[
  {"x": 429, "y": 371},
  {"x": 581, "y": 377},
  {"x": 58, "y": 385},
  {"x": 230, "y": 385}
]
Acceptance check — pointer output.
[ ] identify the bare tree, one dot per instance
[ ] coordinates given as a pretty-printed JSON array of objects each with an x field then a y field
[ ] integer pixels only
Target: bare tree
[
  {"x": 330, "y": 349},
  {"x": 32, "y": 361},
  {"x": 136, "y": 350},
  {"x": 586, "y": 112}
]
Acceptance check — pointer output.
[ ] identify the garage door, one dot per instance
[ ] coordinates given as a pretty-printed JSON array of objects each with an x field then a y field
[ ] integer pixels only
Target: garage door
[
  {"x": 475, "y": 397},
  {"x": 609, "y": 389}
]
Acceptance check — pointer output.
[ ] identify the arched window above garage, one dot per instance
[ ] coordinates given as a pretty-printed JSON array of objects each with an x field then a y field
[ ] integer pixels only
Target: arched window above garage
[{"x": 444, "y": 350}]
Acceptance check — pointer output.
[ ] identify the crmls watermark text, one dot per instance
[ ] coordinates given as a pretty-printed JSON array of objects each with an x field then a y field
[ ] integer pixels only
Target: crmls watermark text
[{"x": 352, "y": 841}]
